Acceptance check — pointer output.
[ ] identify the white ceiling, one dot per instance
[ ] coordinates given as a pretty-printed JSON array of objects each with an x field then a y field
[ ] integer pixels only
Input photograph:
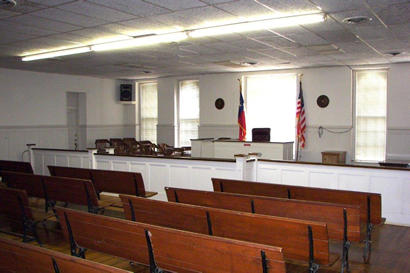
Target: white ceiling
[{"x": 38, "y": 25}]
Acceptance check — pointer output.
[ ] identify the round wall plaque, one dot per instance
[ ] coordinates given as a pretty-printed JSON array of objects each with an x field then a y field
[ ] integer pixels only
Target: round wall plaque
[
  {"x": 219, "y": 103},
  {"x": 322, "y": 101}
]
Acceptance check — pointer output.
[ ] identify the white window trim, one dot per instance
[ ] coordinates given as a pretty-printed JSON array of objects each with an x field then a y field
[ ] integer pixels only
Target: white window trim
[
  {"x": 353, "y": 139},
  {"x": 177, "y": 110},
  {"x": 140, "y": 107}
]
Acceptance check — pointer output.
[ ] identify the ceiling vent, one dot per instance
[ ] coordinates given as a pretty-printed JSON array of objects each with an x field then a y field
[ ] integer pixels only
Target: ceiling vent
[
  {"x": 236, "y": 64},
  {"x": 7, "y": 3},
  {"x": 356, "y": 20},
  {"x": 325, "y": 49}
]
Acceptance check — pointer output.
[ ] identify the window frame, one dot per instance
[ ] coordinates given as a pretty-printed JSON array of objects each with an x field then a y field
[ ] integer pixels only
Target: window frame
[
  {"x": 244, "y": 81},
  {"x": 177, "y": 110},
  {"x": 140, "y": 84},
  {"x": 354, "y": 103}
]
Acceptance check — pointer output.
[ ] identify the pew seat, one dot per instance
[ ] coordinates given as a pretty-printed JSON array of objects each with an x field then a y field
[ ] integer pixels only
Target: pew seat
[{"x": 16, "y": 166}]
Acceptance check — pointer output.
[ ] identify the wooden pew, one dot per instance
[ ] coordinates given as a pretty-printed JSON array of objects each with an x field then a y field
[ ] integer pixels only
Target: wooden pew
[
  {"x": 15, "y": 166},
  {"x": 16, "y": 257},
  {"x": 361, "y": 199},
  {"x": 370, "y": 203},
  {"x": 171, "y": 249},
  {"x": 290, "y": 234},
  {"x": 343, "y": 221},
  {"x": 107, "y": 181},
  {"x": 56, "y": 189},
  {"x": 14, "y": 206}
]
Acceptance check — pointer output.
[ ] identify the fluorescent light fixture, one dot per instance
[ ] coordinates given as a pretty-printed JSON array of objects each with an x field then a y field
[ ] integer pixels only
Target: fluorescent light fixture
[
  {"x": 58, "y": 53},
  {"x": 258, "y": 25},
  {"x": 142, "y": 41}
]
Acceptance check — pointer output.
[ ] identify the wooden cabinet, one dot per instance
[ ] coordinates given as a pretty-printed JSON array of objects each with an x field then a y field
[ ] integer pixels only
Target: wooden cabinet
[{"x": 334, "y": 157}]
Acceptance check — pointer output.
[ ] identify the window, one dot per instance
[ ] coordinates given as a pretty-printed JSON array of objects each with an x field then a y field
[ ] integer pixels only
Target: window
[
  {"x": 271, "y": 103},
  {"x": 149, "y": 111},
  {"x": 370, "y": 117},
  {"x": 188, "y": 112}
]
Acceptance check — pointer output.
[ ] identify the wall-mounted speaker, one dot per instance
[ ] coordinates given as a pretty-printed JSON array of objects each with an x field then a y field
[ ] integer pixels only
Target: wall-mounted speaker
[{"x": 125, "y": 92}]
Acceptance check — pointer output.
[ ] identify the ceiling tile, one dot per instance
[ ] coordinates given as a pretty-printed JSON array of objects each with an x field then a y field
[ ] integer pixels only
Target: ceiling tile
[
  {"x": 395, "y": 14},
  {"x": 97, "y": 11},
  {"x": 136, "y": 7},
  {"x": 307, "y": 39},
  {"x": 339, "y": 36},
  {"x": 97, "y": 35},
  {"x": 7, "y": 13},
  {"x": 69, "y": 17},
  {"x": 177, "y": 5},
  {"x": 26, "y": 29},
  {"x": 35, "y": 21},
  {"x": 290, "y": 6},
  {"x": 212, "y": 2},
  {"x": 339, "y": 5},
  {"x": 9, "y": 37},
  {"x": 247, "y": 9},
  {"x": 141, "y": 26}
]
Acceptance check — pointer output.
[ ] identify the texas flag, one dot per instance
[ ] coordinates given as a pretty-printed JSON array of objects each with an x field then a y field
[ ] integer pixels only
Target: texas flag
[{"x": 241, "y": 116}]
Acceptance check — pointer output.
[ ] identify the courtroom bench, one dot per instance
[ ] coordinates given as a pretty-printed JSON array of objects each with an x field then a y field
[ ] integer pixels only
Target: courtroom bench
[
  {"x": 302, "y": 241},
  {"x": 170, "y": 249}
]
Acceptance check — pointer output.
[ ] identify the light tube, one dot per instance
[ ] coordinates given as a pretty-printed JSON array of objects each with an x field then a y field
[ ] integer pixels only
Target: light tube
[
  {"x": 142, "y": 41},
  {"x": 58, "y": 53},
  {"x": 258, "y": 25}
]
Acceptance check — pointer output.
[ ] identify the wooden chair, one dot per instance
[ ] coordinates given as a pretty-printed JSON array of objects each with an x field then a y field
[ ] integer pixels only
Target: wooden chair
[
  {"x": 134, "y": 148},
  {"x": 102, "y": 145},
  {"x": 290, "y": 234},
  {"x": 56, "y": 189},
  {"x": 369, "y": 203},
  {"x": 15, "y": 166},
  {"x": 25, "y": 258},
  {"x": 170, "y": 249},
  {"x": 14, "y": 205},
  {"x": 120, "y": 148}
]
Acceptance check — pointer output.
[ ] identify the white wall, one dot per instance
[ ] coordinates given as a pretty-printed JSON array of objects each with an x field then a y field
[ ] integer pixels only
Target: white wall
[
  {"x": 335, "y": 82},
  {"x": 33, "y": 110}
]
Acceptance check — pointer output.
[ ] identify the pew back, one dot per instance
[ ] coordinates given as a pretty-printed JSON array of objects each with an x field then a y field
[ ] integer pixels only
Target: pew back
[
  {"x": 15, "y": 166},
  {"x": 331, "y": 214},
  {"x": 105, "y": 180},
  {"x": 306, "y": 193},
  {"x": 17, "y": 257},
  {"x": 290, "y": 234},
  {"x": 70, "y": 190},
  {"x": 32, "y": 184},
  {"x": 64, "y": 189},
  {"x": 174, "y": 250},
  {"x": 12, "y": 204}
]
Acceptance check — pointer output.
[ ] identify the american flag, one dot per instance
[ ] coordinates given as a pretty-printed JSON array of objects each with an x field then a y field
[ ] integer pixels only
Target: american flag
[{"x": 301, "y": 118}]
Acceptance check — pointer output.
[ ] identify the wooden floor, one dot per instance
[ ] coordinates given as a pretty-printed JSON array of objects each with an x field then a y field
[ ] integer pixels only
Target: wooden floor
[{"x": 391, "y": 252}]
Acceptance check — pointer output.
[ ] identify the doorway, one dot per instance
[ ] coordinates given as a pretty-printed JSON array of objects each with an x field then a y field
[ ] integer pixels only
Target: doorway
[{"x": 76, "y": 120}]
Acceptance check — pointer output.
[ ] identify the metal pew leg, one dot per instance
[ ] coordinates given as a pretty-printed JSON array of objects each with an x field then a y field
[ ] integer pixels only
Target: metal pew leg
[
  {"x": 367, "y": 251},
  {"x": 313, "y": 267},
  {"x": 346, "y": 246},
  {"x": 75, "y": 249},
  {"x": 153, "y": 267}
]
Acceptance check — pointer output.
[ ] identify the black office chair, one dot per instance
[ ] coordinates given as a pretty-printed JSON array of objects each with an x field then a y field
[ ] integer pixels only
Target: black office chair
[{"x": 261, "y": 134}]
